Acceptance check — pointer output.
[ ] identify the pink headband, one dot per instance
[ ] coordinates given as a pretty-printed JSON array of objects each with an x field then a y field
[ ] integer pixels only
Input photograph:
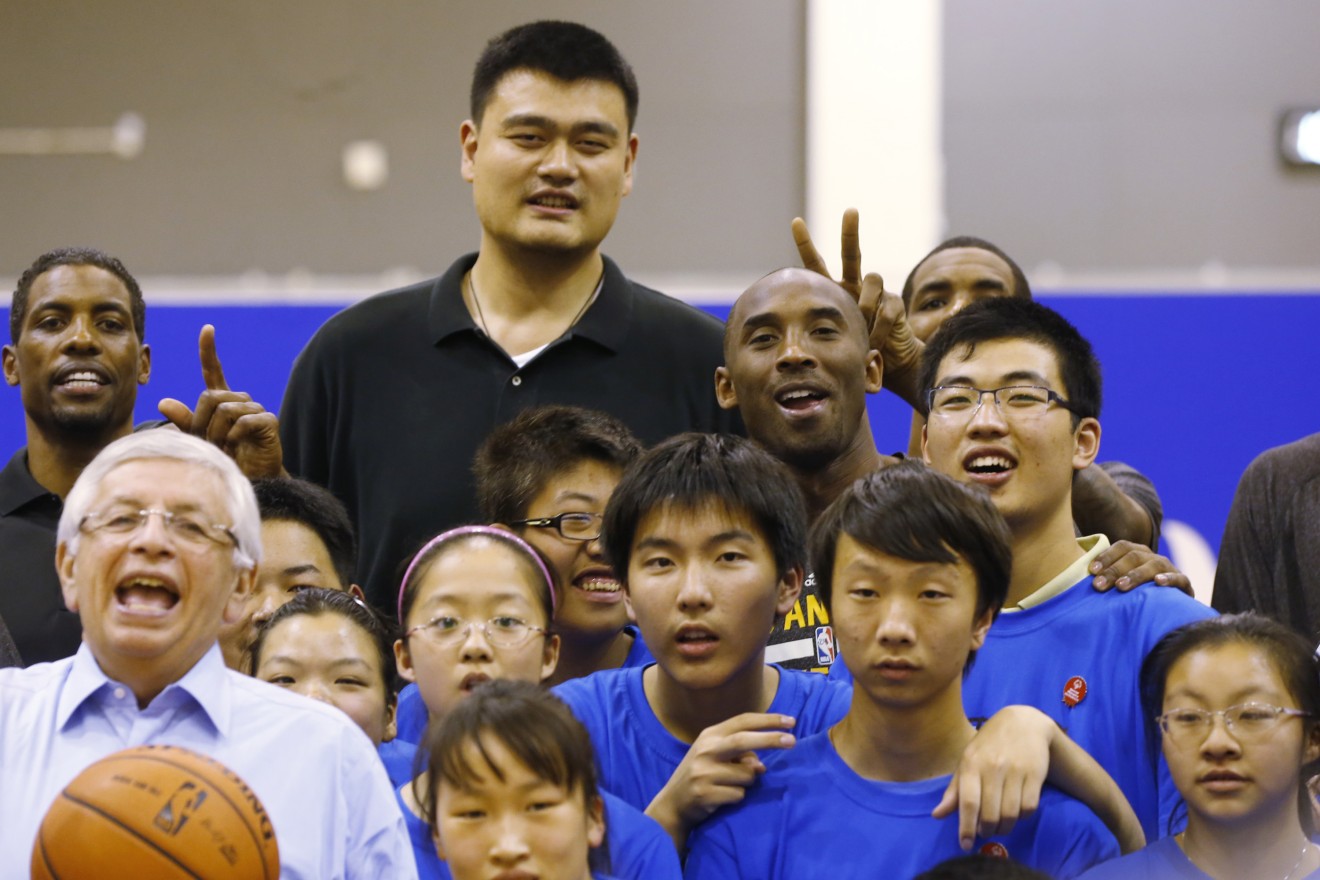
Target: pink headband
[{"x": 490, "y": 532}]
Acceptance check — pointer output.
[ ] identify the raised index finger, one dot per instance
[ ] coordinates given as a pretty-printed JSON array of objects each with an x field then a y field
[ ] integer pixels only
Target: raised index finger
[{"x": 212, "y": 373}]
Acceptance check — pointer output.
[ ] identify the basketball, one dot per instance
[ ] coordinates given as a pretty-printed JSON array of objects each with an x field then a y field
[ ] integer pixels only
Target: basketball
[{"x": 156, "y": 812}]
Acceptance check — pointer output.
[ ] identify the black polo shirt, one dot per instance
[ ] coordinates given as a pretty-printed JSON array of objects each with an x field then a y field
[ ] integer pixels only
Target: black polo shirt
[
  {"x": 387, "y": 404},
  {"x": 8, "y": 650},
  {"x": 31, "y": 603}
]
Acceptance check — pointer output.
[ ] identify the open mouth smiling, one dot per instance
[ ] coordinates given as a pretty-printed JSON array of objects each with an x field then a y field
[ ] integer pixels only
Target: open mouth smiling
[
  {"x": 146, "y": 596},
  {"x": 81, "y": 378},
  {"x": 989, "y": 466},
  {"x": 800, "y": 399}
]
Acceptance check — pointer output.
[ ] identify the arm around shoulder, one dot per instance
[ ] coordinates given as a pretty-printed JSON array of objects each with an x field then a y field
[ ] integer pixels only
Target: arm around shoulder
[{"x": 1116, "y": 500}]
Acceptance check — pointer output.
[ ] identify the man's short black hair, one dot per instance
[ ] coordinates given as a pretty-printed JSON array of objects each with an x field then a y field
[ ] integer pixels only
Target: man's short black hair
[
  {"x": 565, "y": 50},
  {"x": 294, "y": 500},
  {"x": 990, "y": 320},
  {"x": 690, "y": 471},
  {"x": 75, "y": 256},
  {"x": 518, "y": 459},
  {"x": 912, "y": 512},
  {"x": 1021, "y": 288}
]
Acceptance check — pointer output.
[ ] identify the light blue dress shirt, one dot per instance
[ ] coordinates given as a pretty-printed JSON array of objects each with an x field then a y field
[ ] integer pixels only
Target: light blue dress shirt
[{"x": 314, "y": 770}]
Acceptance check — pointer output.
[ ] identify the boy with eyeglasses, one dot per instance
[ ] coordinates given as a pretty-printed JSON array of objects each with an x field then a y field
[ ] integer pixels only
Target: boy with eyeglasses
[
  {"x": 1012, "y": 405},
  {"x": 549, "y": 474}
]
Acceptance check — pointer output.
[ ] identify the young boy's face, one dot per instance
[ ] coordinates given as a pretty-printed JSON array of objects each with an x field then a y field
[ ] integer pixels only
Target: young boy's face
[
  {"x": 704, "y": 587},
  {"x": 904, "y": 628},
  {"x": 1025, "y": 460},
  {"x": 593, "y": 602}
]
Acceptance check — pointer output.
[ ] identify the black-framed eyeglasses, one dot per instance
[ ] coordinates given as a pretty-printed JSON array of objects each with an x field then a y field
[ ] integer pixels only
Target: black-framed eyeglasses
[
  {"x": 574, "y": 526},
  {"x": 1188, "y": 727},
  {"x": 502, "y": 632},
  {"x": 187, "y": 528},
  {"x": 1012, "y": 401}
]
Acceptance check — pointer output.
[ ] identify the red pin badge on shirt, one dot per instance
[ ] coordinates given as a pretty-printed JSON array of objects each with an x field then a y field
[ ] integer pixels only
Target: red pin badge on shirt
[
  {"x": 994, "y": 850},
  {"x": 1074, "y": 691}
]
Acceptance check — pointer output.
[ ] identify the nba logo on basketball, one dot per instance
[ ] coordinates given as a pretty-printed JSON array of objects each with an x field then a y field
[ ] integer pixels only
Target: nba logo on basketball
[
  {"x": 825, "y": 652},
  {"x": 182, "y": 804}
]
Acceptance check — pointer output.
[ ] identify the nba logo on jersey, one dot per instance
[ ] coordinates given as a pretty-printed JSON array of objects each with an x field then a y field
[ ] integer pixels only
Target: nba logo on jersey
[{"x": 825, "y": 652}]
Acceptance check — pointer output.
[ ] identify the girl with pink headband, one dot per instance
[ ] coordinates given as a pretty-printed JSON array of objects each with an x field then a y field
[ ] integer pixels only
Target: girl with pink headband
[{"x": 476, "y": 604}]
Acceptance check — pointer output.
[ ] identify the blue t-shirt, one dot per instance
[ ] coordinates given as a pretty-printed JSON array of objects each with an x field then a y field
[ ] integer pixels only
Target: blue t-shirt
[
  {"x": 410, "y": 717},
  {"x": 638, "y": 654},
  {"x": 812, "y": 816},
  {"x": 1161, "y": 860},
  {"x": 1077, "y": 657},
  {"x": 398, "y": 756},
  {"x": 634, "y": 752},
  {"x": 429, "y": 864},
  {"x": 639, "y": 848}
]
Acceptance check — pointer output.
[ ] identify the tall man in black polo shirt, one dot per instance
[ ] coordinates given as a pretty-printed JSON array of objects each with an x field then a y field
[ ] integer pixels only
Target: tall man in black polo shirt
[{"x": 390, "y": 399}]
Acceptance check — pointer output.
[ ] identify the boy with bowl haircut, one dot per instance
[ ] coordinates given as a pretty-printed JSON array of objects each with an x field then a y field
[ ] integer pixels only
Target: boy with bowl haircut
[
  {"x": 707, "y": 533},
  {"x": 914, "y": 568}
]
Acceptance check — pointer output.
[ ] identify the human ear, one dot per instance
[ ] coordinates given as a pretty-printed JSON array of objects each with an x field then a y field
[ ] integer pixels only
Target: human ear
[
  {"x": 549, "y": 656},
  {"x": 725, "y": 394},
  {"x": 596, "y": 822},
  {"x": 467, "y": 137},
  {"x": 11, "y": 365},
  {"x": 1311, "y": 751},
  {"x": 980, "y": 627},
  {"x": 629, "y": 160},
  {"x": 875, "y": 371},
  {"x": 403, "y": 661},
  {"x": 391, "y": 719},
  {"x": 1086, "y": 443},
  {"x": 236, "y": 604},
  {"x": 790, "y": 588},
  {"x": 64, "y": 561}
]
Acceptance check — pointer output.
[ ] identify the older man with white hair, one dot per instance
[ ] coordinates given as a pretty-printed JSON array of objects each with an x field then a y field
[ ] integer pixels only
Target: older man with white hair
[{"x": 157, "y": 546}]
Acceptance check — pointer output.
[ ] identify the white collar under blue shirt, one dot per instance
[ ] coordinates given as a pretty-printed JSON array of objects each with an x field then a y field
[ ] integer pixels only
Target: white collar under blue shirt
[{"x": 327, "y": 794}]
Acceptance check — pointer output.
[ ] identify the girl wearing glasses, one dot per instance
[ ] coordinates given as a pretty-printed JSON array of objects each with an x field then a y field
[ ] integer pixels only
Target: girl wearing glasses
[
  {"x": 1237, "y": 700},
  {"x": 476, "y": 605}
]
